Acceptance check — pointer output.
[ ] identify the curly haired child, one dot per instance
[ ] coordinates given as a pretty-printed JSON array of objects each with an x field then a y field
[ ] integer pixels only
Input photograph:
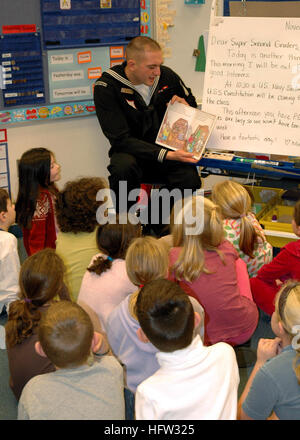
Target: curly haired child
[{"x": 76, "y": 208}]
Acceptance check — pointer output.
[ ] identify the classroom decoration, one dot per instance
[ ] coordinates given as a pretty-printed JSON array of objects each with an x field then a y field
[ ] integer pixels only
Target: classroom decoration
[
  {"x": 46, "y": 112},
  {"x": 245, "y": 6},
  {"x": 200, "y": 55},
  {"x": 4, "y": 166},
  {"x": 194, "y": 2},
  {"x": 145, "y": 18},
  {"x": 252, "y": 83},
  {"x": 76, "y": 53},
  {"x": 72, "y": 72},
  {"x": 164, "y": 19},
  {"x": 82, "y": 23},
  {"x": 22, "y": 68}
]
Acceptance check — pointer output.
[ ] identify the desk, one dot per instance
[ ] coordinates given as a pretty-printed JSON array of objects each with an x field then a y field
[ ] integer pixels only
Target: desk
[{"x": 286, "y": 170}]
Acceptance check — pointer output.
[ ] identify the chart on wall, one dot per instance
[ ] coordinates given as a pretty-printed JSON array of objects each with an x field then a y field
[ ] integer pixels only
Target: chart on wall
[
  {"x": 52, "y": 52},
  {"x": 4, "y": 165},
  {"x": 252, "y": 84},
  {"x": 72, "y": 72}
]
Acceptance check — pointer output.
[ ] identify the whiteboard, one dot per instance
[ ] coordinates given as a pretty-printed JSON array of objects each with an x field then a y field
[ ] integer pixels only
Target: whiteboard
[{"x": 252, "y": 83}]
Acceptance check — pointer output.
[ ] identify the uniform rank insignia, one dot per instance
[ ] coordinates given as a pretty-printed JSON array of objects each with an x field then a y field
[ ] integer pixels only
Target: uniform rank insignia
[{"x": 124, "y": 90}]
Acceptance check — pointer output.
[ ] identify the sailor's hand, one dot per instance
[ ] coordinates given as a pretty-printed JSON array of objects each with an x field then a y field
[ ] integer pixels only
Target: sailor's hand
[
  {"x": 176, "y": 98},
  {"x": 181, "y": 156}
]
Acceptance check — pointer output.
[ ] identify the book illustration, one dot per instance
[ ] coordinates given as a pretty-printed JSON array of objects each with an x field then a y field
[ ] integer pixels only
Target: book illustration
[{"x": 185, "y": 128}]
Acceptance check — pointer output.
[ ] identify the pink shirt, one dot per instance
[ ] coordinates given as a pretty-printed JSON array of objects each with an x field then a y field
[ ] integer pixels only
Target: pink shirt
[
  {"x": 227, "y": 313},
  {"x": 103, "y": 293}
]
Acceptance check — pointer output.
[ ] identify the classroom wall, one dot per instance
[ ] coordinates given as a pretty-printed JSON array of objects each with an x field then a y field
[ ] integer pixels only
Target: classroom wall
[{"x": 78, "y": 143}]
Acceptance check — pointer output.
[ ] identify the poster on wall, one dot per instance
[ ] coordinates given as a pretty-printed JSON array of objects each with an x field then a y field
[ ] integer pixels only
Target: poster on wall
[
  {"x": 145, "y": 18},
  {"x": 4, "y": 166},
  {"x": 252, "y": 82}
]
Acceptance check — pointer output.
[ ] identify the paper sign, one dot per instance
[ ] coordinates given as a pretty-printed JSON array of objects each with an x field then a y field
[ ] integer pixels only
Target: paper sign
[
  {"x": 71, "y": 92},
  {"x": 68, "y": 75},
  {"x": 61, "y": 59},
  {"x": 18, "y": 29},
  {"x": 115, "y": 62},
  {"x": 94, "y": 72},
  {"x": 3, "y": 135},
  {"x": 65, "y": 4},
  {"x": 252, "y": 82},
  {"x": 116, "y": 52},
  {"x": 84, "y": 57},
  {"x": 3, "y": 167}
]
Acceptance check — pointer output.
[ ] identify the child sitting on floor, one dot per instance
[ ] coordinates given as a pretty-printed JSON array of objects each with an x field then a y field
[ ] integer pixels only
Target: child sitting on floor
[
  {"x": 241, "y": 226},
  {"x": 146, "y": 260},
  {"x": 76, "y": 208},
  {"x": 204, "y": 264},
  {"x": 286, "y": 265},
  {"x": 193, "y": 382},
  {"x": 38, "y": 174},
  {"x": 9, "y": 257},
  {"x": 79, "y": 388},
  {"x": 273, "y": 388},
  {"x": 105, "y": 283}
]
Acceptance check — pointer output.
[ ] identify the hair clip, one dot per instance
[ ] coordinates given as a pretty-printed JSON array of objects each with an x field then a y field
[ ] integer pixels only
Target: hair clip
[
  {"x": 141, "y": 286},
  {"x": 27, "y": 300},
  {"x": 109, "y": 258}
]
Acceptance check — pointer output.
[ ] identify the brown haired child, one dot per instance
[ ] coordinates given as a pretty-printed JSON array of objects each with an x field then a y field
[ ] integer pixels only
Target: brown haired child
[
  {"x": 79, "y": 388},
  {"x": 9, "y": 257}
]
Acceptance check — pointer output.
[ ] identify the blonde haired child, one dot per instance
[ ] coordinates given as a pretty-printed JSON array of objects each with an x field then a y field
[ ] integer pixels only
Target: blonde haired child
[
  {"x": 146, "y": 260},
  {"x": 273, "y": 388},
  {"x": 205, "y": 266},
  {"x": 285, "y": 266},
  {"x": 241, "y": 226}
]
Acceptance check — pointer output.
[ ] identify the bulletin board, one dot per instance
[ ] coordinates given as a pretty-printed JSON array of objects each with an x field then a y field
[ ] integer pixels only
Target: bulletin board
[{"x": 52, "y": 51}]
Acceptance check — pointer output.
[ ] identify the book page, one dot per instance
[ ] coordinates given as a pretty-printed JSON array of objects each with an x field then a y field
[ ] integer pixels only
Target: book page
[{"x": 185, "y": 128}]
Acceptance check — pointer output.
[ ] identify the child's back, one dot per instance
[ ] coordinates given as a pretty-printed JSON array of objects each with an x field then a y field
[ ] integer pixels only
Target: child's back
[
  {"x": 241, "y": 226},
  {"x": 9, "y": 268},
  {"x": 105, "y": 283},
  {"x": 81, "y": 388},
  {"x": 41, "y": 279},
  {"x": 193, "y": 382},
  {"x": 84, "y": 393},
  {"x": 229, "y": 316},
  {"x": 9, "y": 257}
]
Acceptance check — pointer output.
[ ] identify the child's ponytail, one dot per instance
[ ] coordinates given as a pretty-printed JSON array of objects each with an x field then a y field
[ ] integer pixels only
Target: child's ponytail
[
  {"x": 23, "y": 317},
  {"x": 248, "y": 236},
  {"x": 235, "y": 203},
  {"x": 40, "y": 281},
  {"x": 287, "y": 308},
  {"x": 191, "y": 262}
]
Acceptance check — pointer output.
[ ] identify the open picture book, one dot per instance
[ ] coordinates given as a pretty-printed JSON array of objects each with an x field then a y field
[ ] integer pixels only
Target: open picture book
[{"x": 185, "y": 128}]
